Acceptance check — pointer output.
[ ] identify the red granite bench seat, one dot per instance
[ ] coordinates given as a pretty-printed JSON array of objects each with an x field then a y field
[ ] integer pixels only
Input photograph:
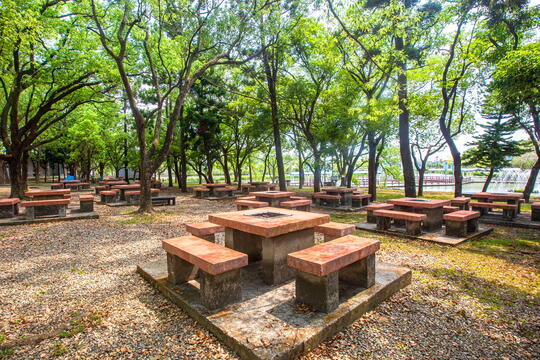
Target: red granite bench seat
[
  {"x": 45, "y": 207},
  {"x": 47, "y": 194},
  {"x": 509, "y": 210},
  {"x": 413, "y": 221},
  {"x": 334, "y": 230},
  {"x": 370, "y": 208},
  {"x": 252, "y": 198},
  {"x": 205, "y": 230},
  {"x": 461, "y": 201},
  {"x": 359, "y": 200},
  {"x": 249, "y": 204},
  {"x": 219, "y": 266},
  {"x": 86, "y": 203},
  {"x": 460, "y": 223},
  {"x": 109, "y": 196},
  {"x": 201, "y": 191},
  {"x": 350, "y": 259},
  {"x": 302, "y": 205},
  {"x": 450, "y": 209},
  {"x": 299, "y": 198},
  {"x": 9, "y": 207}
]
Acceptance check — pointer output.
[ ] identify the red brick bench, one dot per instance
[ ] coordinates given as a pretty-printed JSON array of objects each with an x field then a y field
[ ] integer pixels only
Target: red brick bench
[
  {"x": 324, "y": 199},
  {"x": 360, "y": 200},
  {"x": 535, "y": 211},
  {"x": 45, "y": 207},
  {"x": 462, "y": 202},
  {"x": 201, "y": 192},
  {"x": 109, "y": 196},
  {"x": 349, "y": 259},
  {"x": 86, "y": 203},
  {"x": 460, "y": 223},
  {"x": 57, "y": 186},
  {"x": 100, "y": 188},
  {"x": 220, "y": 281},
  {"x": 509, "y": 210},
  {"x": 370, "y": 208},
  {"x": 301, "y": 205},
  {"x": 413, "y": 221},
  {"x": 333, "y": 230},
  {"x": 47, "y": 194},
  {"x": 9, "y": 207},
  {"x": 450, "y": 209},
  {"x": 249, "y": 204},
  {"x": 205, "y": 230}
]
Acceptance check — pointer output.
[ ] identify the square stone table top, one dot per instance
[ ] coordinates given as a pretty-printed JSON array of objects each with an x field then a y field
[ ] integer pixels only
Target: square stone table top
[
  {"x": 273, "y": 194},
  {"x": 215, "y": 185},
  {"x": 498, "y": 196},
  {"x": 37, "y": 193},
  {"x": 419, "y": 203},
  {"x": 127, "y": 187},
  {"x": 339, "y": 190},
  {"x": 290, "y": 221},
  {"x": 209, "y": 257},
  {"x": 326, "y": 258}
]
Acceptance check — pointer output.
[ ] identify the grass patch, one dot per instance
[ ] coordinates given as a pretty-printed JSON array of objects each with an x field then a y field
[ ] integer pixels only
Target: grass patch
[
  {"x": 5, "y": 352},
  {"x": 59, "y": 349}
]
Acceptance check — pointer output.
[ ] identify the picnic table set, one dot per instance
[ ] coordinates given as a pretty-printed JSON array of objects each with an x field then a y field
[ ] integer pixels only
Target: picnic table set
[
  {"x": 214, "y": 191},
  {"x": 341, "y": 198},
  {"x": 282, "y": 241}
]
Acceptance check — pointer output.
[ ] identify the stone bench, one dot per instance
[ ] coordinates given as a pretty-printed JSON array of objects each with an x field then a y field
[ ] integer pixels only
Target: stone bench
[
  {"x": 535, "y": 211},
  {"x": 360, "y": 200},
  {"x": 84, "y": 186},
  {"x": 349, "y": 259},
  {"x": 224, "y": 191},
  {"x": 450, "y": 209},
  {"x": 219, "y": 267},
  {"x": 163, "y": 200},
  {"x": 462, "y": 202},
  {"x": 109, "y": 196},
  {"x": 301, "y": 205},
  {"x": 245, "y": 189},
  {"x": 47, "y": 194},
  {"x": 133, "y": 196},
  {"x": 460, "y": 223},
  {"x": 45, "y": 207},
  {"x": 57, "y": 186},
  {"x": 509, "y": 210},
  {"x": 249, "y": 204},
  {"x": 86, "y": 203},
  {"x": 201, "y": 192},
  {"x": 205, "y": 230},
  {"x": 413, "y": 221},
  {"x": 252, "y": 198},
  {"x": 100, "y": 188},
  {"x": 371, "y": 208},
  {"x": 9, "y": 207},
  {"x": 72, "y": 186},
  {"x": 334, "y": 230},
  {"x": 325, "y": 199},
  {"x": 299, "y": 198}
]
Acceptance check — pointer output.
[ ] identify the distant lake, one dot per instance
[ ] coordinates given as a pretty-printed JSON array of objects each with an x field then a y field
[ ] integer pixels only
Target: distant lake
[{"x": 476, "y": 187}]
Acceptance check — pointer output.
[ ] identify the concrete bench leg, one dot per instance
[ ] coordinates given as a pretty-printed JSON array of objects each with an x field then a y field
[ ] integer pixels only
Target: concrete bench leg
[
  {"x": 321, "y": 293},
  {"x": 509, "y": 214},
  {"x": 179, "y": 271},
  {"x": 456, "y": 228},
  {"x": 220, "y": 290},
  {"x": 383, "y": 223},
  {"x": 62, "y": 210},
  {"x": 371, "y": 218},
  {"x": 87, "y": 206},
  {"x": 472, "y": 226},
  {"x": 29, "y": 213},
  {"x": 535, "y": 215},
  {"x": 413, "y": 227},
  {"x": 360, "y": 273},
  {"x": 365, "y": 201},
  {"x": 7, "y": 211}
]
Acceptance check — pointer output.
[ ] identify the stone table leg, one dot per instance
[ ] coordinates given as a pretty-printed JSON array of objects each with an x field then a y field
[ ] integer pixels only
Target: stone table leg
[
  {"x": 472, "y": 225},
  {"x": 275, "y": 251},
  {"x": 434, "y": 219},
  {"x": 62, "y": 210},
  {"x": 179, "y": 271},
  {"x": 346, "y": 199},
  {"x": 399, "y": 222},
  {"x": 29, "y": 213},
  {"x": 383, "y": 223},
  {"x": 456, "y": 228},
  {"x": 246, "y": 243},
  {"x": 321, "y": 293},
  {"x": 220, "y": 290},
  {"x": 413, "y": 227}
]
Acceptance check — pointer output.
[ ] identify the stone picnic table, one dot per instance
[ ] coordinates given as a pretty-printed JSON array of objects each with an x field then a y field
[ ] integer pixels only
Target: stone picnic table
[
  {"x": 124, "y": 188},
  {"x": 47, "y": 194},
  {"x": 269, "y": 234},
  {"x": 64, "y": 182},
  {"x": 344, "y": 193},
  {"x": 212, "y": 188},
  {"x": 273, "y": 198},
  {"x": 509, "y": 198},
  {"x": 432, "y": 208},
  {"x": 261, "y": 185}
]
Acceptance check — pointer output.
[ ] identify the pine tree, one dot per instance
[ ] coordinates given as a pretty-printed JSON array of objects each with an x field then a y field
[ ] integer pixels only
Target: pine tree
[{"x": 494, "y": 148}]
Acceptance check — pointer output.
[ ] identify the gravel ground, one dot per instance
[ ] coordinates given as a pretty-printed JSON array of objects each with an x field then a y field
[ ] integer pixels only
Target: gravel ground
[{"x": 69, "y": 290}]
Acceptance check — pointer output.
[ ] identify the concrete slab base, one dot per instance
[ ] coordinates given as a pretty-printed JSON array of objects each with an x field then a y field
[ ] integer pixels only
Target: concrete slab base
[
  {"x": 71, "y": 215},
  {"x": 437, "y": 236},
  {"x": 522, "y": 220},
  {"x": 268, "y": 323},
  {"x": 339, "y": 208}
]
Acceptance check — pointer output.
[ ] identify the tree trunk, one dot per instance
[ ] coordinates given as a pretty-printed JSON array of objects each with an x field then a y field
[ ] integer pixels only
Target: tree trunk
[
  {"x": 301, "y": 176},
  {"x": 46, "y": 171},
  {"x": 421, "y": 173},
  {"x": 316, "y": 171},
  {"x": 529, "y": 187},
  {"x": 488, "y": 179},
  {"x": 226, "y": 168},
  {"x": 372, "y": 169},
  {"x": 15, "y": 171},
  {"x": 169, "y": 173},
  {"x": 24, "y": 171},
  {"x": 404, "y": 143}
]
